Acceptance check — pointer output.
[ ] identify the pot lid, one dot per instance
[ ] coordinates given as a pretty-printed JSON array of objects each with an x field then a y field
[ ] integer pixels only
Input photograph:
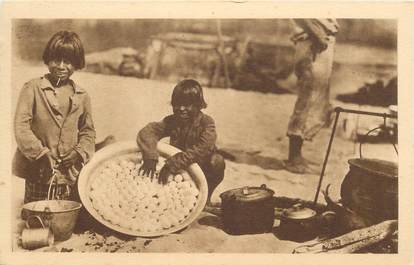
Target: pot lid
[
  {"x": 248, "y": 193},
  {"x": 376, "y": 166},
  {"x": 299, "y": 212}
]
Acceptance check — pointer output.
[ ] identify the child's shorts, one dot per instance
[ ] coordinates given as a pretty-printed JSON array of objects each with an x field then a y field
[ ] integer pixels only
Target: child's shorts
[{"x": 35, "y": 191}]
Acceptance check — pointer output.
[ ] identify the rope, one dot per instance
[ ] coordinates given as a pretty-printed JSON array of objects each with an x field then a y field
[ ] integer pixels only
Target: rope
[{"x": 50, "y": 186}]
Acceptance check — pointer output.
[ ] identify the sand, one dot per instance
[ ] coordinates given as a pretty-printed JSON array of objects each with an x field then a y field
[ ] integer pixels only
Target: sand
[{"x": 250, "y": 125}]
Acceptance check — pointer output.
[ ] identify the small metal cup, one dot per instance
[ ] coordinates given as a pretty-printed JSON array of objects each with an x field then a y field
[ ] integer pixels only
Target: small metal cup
[{"x": 33, "y": 238}]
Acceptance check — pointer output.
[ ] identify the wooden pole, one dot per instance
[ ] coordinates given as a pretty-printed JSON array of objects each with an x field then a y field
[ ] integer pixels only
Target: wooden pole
[
  {"x": 243, "y": 53},
  {"x": 222, "y": 54},
  {"x": 352, "y": 241},
  {"x": 325, "y": 162}
]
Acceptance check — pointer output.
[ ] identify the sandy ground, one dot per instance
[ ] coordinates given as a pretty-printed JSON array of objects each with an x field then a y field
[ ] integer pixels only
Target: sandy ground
[{"x": 251, "y": 126}]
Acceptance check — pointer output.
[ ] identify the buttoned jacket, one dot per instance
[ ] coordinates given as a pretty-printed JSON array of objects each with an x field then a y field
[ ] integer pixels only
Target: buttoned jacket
[{"x": 40, "y": 127}]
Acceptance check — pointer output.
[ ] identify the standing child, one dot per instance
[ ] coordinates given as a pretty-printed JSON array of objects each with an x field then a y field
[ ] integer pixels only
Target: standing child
[
  {"x": 53, "y": 123},
  {"x": 191, "y": 131}
]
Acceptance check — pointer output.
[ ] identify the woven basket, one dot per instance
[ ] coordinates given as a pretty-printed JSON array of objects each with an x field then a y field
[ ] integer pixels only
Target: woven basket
[{"x": 128, "y": 148}]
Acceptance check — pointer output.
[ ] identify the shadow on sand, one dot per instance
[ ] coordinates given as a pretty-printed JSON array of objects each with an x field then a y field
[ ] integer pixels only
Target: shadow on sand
[
  {"x": 211, "y": 220},
  {"x": 252, "y": 158}
]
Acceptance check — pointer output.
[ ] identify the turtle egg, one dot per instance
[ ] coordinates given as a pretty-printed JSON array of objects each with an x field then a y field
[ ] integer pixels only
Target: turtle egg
[
  {"x": 123, "y": 163},
  {"x": 178, "y": 178}
]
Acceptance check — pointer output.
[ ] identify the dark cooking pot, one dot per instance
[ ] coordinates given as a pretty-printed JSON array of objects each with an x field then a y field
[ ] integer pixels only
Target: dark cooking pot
[
  {"x": 371, "y": 188},
  {"x": 248, "y": 210},
  {"x": 298, "y": 223}
]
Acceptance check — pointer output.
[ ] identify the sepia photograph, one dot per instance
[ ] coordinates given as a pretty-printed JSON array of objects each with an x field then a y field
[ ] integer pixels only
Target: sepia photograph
[{"x": 205, "y": 135}]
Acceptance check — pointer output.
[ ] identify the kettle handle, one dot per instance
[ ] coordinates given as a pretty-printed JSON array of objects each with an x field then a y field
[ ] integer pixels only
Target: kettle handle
[
  {"x": 372, "y": 130},
  {"x": 263, "y": 186}
]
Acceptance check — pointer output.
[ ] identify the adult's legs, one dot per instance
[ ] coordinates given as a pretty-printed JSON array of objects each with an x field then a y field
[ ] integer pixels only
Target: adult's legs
[{"x": 312, "y": 106}]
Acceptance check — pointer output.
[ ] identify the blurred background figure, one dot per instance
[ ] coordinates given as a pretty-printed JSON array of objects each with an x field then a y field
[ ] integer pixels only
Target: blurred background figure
[
  {"x": 314, "y": 40},
  {"x": 131, "y": 65}
]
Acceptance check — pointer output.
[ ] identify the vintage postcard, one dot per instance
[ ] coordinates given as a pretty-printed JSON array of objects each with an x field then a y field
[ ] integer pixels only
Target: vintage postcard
[{"x": 203, "y": 132}]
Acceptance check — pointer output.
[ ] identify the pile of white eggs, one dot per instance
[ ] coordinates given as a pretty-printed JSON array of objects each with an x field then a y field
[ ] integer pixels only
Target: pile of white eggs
[{"x": 136, "y": 202}]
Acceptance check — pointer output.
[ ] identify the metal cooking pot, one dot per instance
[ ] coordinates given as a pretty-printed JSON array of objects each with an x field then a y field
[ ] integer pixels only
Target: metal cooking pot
[
  {"x": 370, "y": 188},
  {"x": 298, "y": 223},
  {"x": 248, "y": 210}
]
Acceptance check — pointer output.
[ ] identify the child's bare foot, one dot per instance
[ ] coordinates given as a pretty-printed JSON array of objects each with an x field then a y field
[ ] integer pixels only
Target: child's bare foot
[{"x": 309, "y": 162}]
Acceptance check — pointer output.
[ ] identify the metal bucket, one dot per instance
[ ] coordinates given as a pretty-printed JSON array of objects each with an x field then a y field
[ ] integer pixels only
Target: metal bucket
[{"x": 59, "y": 215}]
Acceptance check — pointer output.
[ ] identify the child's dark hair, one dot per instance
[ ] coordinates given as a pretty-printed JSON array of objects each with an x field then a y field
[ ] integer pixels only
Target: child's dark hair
[
  {"x": 188, "y": 92},
  {"x": 65, "y": 45}
]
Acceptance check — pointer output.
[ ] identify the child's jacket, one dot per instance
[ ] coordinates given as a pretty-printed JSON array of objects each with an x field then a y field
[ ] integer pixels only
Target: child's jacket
[
  {"x": 39, "y": 126},
  {"x": 197, "y": 140}
]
